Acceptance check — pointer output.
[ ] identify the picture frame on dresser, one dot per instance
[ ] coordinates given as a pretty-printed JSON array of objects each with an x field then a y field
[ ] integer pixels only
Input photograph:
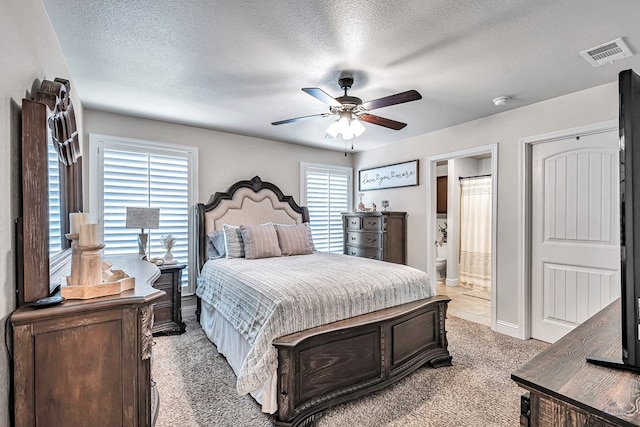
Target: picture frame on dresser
[{"x": 403, "y": 174}]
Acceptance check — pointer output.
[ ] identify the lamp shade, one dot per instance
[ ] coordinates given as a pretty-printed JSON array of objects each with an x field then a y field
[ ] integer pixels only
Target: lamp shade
[{"x": 144, "y": 218}]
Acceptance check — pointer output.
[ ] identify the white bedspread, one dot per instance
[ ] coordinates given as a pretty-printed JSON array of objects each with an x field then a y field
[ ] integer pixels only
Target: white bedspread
[{"x": 272, "y": 297}]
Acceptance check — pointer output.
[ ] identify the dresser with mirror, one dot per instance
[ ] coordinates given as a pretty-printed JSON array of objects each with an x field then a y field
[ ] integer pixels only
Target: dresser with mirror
[{"x": 78, "y": 362}]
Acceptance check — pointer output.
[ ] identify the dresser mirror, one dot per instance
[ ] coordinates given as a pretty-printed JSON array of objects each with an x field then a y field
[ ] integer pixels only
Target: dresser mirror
[{"x": 51, "y": 187}]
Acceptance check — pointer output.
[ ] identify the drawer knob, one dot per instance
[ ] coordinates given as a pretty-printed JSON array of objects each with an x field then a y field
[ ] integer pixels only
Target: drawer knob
[{"x": 353, "y": 238}]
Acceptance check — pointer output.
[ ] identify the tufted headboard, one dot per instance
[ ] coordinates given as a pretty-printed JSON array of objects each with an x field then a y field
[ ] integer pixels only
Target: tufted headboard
[{"x": 245, "y": 202}]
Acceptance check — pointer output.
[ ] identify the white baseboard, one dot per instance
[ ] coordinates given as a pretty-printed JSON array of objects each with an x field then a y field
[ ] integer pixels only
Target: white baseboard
[
  {"x": 510, "y": 329},
  {"x": 451, "y": 282}
]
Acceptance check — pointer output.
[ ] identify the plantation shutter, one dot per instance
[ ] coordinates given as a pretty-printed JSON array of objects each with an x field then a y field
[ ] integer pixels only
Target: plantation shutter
[
  {"x": 327, "y": 196},
  {"x": 146, "y": 179},
  {"x": 55, "y": 236}
]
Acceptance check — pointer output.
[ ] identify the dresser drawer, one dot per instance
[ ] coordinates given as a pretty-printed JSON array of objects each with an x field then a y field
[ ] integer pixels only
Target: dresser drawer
[
  {"x": 370, "y": 253},
  {"x": 353, "y": 222},
  {"x": 370, "y": 240},
  {"x": 166, "y": 287},
  {"x": 372, "y": 223}
]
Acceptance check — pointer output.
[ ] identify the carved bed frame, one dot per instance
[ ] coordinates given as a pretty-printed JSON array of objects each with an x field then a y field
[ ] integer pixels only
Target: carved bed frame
[{"x": 340, "y": 361}]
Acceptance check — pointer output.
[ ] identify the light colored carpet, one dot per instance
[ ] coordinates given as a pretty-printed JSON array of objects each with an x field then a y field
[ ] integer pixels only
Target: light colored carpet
[{"x": 197, "y": 387}]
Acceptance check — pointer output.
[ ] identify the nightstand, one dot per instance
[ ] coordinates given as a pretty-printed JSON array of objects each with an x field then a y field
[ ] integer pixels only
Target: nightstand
[{"x": 168, "y": 309}]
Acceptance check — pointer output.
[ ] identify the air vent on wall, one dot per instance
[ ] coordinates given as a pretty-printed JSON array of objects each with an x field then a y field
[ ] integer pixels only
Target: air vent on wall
[{"x": 607, "y": 53}]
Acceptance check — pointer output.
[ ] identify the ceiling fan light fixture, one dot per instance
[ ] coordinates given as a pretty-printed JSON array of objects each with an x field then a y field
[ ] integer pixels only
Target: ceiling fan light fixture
[
  {"x": 348, "y": 125},
  {"x": 334, "y": 129},
  {"x": 357, "y": 127},
  {"x": 348, "y": 134}
]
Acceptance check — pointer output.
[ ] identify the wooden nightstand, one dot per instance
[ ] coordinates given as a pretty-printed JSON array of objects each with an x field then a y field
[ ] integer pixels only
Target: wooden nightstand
[{"x": 168, "y": 309}]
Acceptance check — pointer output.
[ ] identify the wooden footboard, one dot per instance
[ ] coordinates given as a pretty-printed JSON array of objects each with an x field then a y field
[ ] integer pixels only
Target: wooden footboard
[{"x": 330, "y": 364}]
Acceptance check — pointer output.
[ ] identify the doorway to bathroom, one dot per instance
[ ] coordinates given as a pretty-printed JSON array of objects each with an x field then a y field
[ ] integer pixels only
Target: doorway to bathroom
[{"x": 462, "y": 203}]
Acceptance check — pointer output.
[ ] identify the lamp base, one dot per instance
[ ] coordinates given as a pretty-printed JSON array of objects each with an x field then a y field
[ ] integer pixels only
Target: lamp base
[{"x": 142, "y": 245}]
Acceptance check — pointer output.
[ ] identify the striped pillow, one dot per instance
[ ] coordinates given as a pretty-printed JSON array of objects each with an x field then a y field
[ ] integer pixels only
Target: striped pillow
[
  {"x": 293, "y": 239},
  {"x": 233, "y": 243},
  {"x": 260, "y": 241}
]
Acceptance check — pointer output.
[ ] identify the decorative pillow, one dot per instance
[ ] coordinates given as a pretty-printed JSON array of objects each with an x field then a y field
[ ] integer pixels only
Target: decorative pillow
[
  {"x": 293, "y": 239},
  {"x": 260, "y": 241},
  {"x": 313, "y": 247},
  {"x": 233, "y": 244},
  {"x": 216, "y": 246}
]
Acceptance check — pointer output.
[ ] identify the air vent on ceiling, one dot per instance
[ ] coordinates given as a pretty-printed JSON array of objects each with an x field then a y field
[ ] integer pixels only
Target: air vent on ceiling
[{"x": 607, "y": 53}]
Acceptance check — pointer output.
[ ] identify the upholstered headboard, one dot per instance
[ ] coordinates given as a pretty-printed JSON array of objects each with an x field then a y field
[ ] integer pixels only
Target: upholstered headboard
[{"x": 244, "y": 203}]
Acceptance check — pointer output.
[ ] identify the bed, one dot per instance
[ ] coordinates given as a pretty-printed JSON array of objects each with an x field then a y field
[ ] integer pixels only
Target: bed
[{"x": 305, "y": 330}]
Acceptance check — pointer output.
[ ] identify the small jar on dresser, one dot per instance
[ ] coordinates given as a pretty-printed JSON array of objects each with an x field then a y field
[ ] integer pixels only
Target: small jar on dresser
[
  {"x": 168, "y": 309},
  {"x": 376, "y": 235}
]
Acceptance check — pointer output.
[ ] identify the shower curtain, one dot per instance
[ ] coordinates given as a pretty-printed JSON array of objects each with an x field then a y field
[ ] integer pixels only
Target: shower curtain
[{"x": 475, "y": 232}]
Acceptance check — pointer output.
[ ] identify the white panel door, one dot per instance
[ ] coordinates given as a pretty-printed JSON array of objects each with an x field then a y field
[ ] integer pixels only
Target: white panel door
[{"x": 575, "y": 253}]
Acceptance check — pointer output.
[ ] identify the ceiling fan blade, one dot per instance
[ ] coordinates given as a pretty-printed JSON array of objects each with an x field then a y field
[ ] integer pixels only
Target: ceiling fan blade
[
  {"x": 323, "y": 96},
  {"x": 381, "y": 121},
  {"x": 398, "y": 98},
  {"x": 297, "y": 119}
]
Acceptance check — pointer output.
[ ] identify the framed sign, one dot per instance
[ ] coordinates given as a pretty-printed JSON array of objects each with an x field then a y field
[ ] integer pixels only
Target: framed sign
[{"x": 390, "y": 176}]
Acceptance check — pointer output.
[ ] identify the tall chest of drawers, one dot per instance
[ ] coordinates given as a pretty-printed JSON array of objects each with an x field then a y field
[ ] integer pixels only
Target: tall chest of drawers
[{"x": 376, "y": 235}]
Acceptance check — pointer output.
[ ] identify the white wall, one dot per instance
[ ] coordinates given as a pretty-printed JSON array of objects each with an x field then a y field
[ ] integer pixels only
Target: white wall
[
  {"x": 224, "y": 158},
  {"x": 29, "y": 51},
  {"x": 578, "y": 109}
]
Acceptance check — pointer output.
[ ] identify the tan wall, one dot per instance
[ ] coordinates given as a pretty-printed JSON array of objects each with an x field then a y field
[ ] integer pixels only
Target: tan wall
[
  {"x": 224, "y": 158},
  {"x": 29, "y": 51},
  {"x": 590, "y": 106}
]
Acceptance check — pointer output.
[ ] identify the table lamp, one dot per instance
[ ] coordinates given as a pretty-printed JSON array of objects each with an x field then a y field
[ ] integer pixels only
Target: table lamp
[{"x": 143, "y": 218}]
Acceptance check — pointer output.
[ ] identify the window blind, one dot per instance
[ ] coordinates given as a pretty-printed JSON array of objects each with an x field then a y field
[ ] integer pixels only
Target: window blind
[
  {"x": 144, "y": 179},
  {"x": 327, "y": 196},
  {"x": 55, "y": 236}
]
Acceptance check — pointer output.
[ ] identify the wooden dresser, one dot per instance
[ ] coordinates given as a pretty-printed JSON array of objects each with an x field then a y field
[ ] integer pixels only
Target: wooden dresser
[
  {"x": 88, "y": 362},
  {"x": 376, "y": 235},
  {"x": 565, "y": 390}
]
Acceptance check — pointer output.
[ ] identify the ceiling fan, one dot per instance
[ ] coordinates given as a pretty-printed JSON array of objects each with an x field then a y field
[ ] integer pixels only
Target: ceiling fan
[{"x": 351, "y": 110}]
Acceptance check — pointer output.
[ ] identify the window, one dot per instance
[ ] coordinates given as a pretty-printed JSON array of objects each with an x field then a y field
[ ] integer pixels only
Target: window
[
  {"x": 326, "y": 192},
  {"x": 55, "y": 234},
  {"x": 132, "y": 173}
]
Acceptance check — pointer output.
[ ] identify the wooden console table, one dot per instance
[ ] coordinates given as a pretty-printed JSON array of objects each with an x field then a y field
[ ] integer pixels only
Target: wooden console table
[{"x": 565, "y": 390}]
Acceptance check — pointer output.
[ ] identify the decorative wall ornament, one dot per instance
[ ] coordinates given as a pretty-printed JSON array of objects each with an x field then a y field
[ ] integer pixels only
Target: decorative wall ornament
[
  {"x": 390, "y": 176},
  {"x": 62, "y": 119}
]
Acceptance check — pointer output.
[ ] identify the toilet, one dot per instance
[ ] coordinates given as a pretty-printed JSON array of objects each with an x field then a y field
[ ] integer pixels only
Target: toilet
[{"x": 441, "y": 261}]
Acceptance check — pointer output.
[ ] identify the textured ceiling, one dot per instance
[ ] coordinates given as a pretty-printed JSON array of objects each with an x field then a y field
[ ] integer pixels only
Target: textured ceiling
[{"x": 237, "y": 66}]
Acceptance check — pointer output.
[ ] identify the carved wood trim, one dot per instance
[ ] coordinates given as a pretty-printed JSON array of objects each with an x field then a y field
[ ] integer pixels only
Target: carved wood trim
[{"x": 146, "y": 335}]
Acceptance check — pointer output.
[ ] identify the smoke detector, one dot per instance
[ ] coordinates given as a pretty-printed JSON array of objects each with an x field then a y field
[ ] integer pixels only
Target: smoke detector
[
  {"x": 607, "y": 53},
  {"x": 500, "y": 101}
]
